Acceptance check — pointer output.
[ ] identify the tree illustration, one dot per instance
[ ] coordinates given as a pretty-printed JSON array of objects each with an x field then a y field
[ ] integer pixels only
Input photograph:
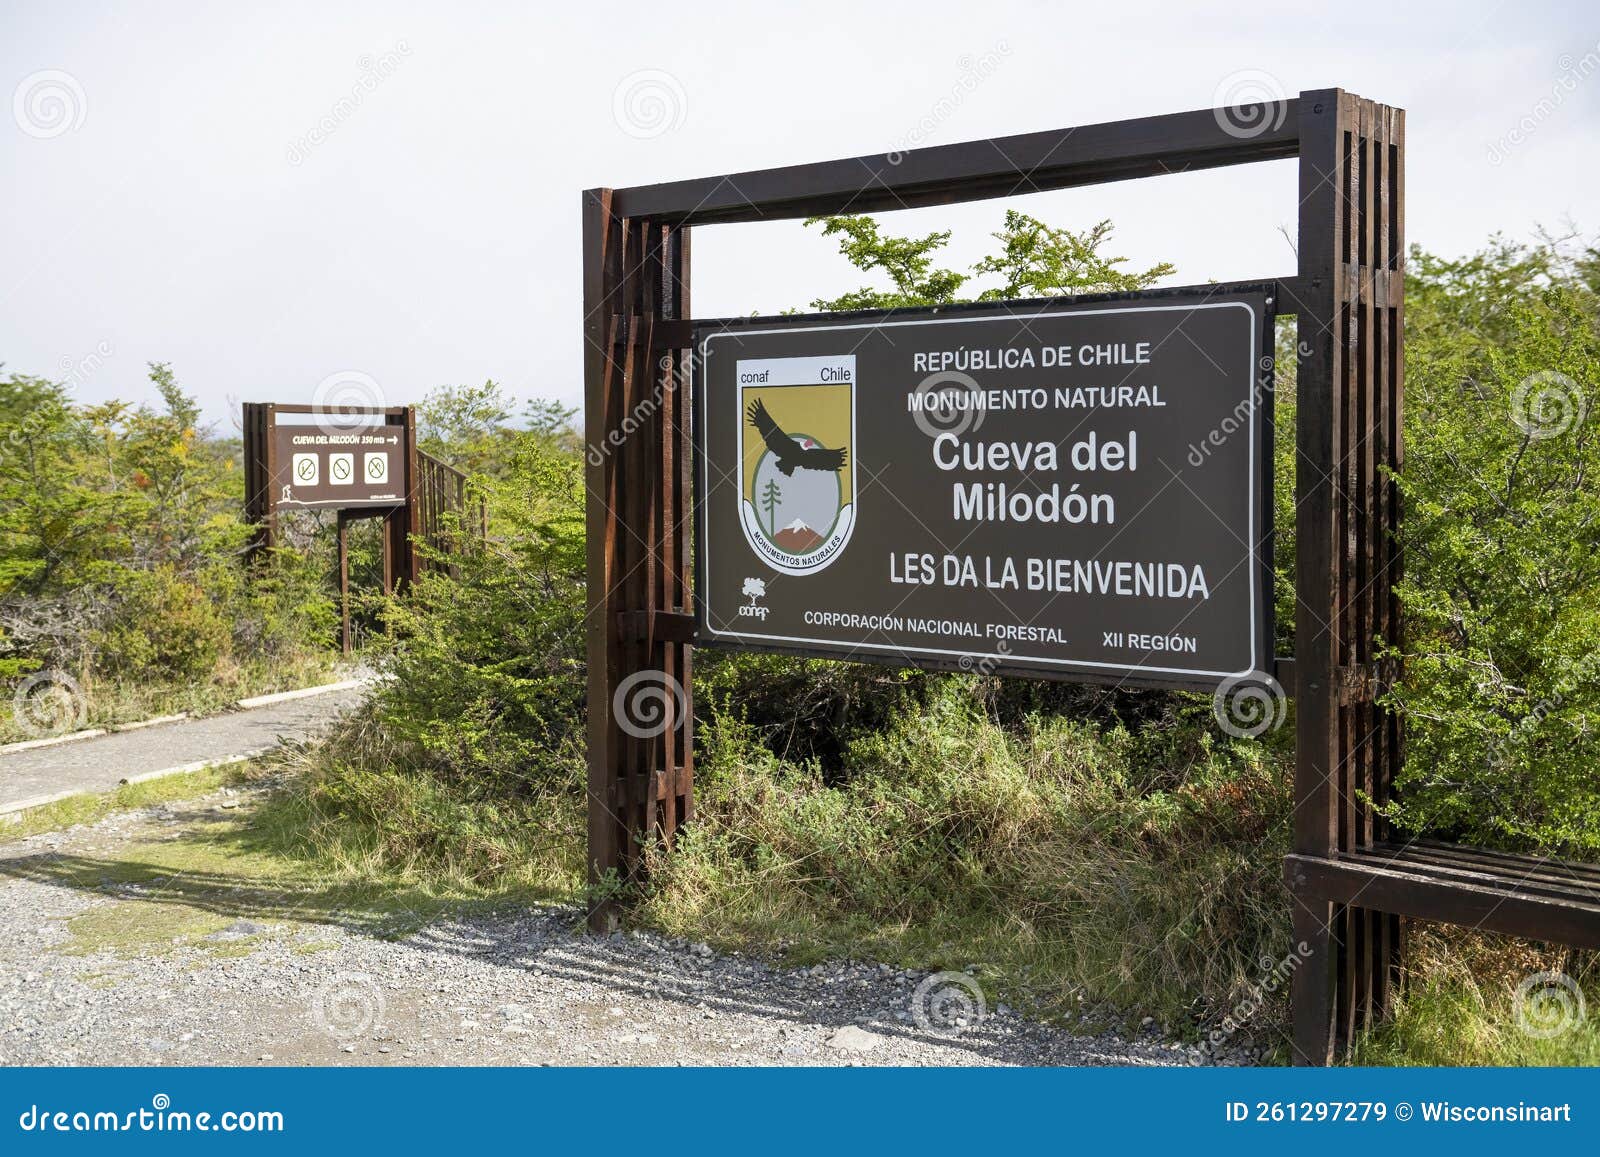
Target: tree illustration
[{"x": 770, "y": 495}]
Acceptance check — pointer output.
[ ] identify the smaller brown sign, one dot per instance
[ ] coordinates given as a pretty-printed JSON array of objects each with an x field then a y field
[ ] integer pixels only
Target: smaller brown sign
[{"x": 338, "y": 466}]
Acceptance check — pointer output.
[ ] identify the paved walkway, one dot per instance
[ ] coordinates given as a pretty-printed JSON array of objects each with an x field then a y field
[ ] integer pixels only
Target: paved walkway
[{"x": 101, "y": 763}]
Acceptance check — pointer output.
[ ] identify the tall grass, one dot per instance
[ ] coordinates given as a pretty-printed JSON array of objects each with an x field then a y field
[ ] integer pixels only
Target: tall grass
[
  {"x": 1478, "y": 999},
  {"x": 1092, "y": 871},
  {"x": 1050, "y": 853}
]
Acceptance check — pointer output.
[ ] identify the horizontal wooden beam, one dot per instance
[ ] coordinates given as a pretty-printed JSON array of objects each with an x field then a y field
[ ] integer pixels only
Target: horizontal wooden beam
[
  {"x": 338, "y": 411},
  {"x": 656, "y": 626},
  {"x": 975, "y": 170},
  {"x": 1449, "y": 900}
]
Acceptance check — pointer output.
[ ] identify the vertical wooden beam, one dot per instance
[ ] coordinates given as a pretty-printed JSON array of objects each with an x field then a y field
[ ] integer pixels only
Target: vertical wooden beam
[
  {"x": 386, "y": 538},
  {"x": 342, "y": 522},
  {"x": 679, "y": 595},
  {"x": 1316, "y": 823},
  {"x": 257, "y": 499},
  {"x": 269, "y": 423},
  {"x": 1346, "y": 561},
  {"x": 1393, "y": 626},
  {"x": 412, "y": 491},
  {"x": 604, "y": 853}
]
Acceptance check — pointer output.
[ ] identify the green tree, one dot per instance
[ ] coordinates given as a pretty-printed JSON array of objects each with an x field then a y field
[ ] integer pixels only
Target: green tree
[
  {"x": 1033, "y": 260},
  {"x": 60, "y": 520},
  {"x": 121, "y": 535},
  {"x": 1038, "y": 260}
]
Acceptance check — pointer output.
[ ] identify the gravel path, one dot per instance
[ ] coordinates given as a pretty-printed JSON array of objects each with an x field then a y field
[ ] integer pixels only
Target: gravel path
[
  {"x": 99, "y": 764},
  {"x": 516, "y": 987}
]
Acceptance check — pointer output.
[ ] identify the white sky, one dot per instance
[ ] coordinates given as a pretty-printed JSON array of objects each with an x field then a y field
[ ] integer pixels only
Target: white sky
[{"x": 431, "y": 236}]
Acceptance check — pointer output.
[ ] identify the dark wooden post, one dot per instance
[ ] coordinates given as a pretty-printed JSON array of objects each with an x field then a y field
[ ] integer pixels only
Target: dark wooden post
[
  {"x": 260, "y": 509},
  {"x": 1349, "y": 383},
  {"x": 343, "y": 524},
  {"x": 636, "y": 422},
  {"x": 412, "y": 491},
  {"x": 401, "y": 563}
]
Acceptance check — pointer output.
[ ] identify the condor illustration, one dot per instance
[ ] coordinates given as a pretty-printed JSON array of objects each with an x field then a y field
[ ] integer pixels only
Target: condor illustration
[
  {"x": 792, "y": 453},
  {"x": 797, "y": 486}
]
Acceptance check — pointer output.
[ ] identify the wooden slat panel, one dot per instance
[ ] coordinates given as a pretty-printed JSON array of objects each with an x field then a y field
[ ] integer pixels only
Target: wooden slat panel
[
  {"x": 1346, "y": 746},
  {"x": 1579, "y": 875},
  {"x": 640, "y": 776},
  {"x": 1530, "y": 877},
  {"x": 1453, "y": 901}
]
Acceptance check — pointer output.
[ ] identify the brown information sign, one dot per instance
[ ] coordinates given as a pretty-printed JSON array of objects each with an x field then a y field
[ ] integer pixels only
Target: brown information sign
[
  {"x": 326, "y": 465},
  {"x": 1069, "y": 489}
]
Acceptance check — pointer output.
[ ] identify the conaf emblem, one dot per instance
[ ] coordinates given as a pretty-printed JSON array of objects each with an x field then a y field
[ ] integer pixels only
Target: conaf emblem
[{"x": 797, "y": 446}]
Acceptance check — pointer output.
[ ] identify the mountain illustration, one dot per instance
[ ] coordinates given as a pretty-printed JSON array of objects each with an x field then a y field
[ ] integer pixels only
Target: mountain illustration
[{"x": 797, "y": 537}]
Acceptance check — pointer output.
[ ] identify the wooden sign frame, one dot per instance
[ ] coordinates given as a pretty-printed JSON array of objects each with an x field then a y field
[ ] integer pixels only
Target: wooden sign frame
[
  {"x": 1351, "y": 882},
  {"x": 401, "y": 522}
]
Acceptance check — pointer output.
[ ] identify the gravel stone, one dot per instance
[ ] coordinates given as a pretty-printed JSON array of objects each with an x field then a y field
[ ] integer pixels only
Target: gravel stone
[{"x": 517, "y": 986}]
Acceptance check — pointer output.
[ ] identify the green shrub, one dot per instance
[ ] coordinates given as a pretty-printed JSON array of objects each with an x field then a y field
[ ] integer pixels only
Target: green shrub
[
  {"x": 1502, "y": 584},
  {"x": 163, "y": 626},
  {"x": 278, "y": 608},
  {"x": 486, "y": 652}
]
